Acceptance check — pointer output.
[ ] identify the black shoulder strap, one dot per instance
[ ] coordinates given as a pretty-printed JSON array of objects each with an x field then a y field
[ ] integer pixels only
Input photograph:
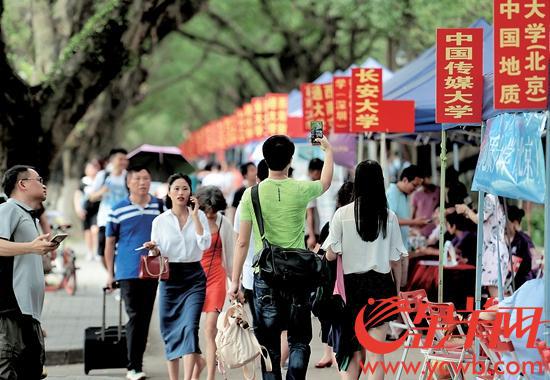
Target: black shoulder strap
[
  {"x": 258, "y": 212},
  {"x": 107, "y": 174},
  {"x": 161, "y": 205}
]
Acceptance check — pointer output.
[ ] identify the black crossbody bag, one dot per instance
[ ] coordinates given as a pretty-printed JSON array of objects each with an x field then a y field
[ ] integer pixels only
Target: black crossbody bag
[{"x": 285, "y": 267}]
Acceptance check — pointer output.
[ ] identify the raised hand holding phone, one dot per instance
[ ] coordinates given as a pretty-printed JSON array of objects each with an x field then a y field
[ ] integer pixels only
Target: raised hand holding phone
[{"x": 316, "y": 131}]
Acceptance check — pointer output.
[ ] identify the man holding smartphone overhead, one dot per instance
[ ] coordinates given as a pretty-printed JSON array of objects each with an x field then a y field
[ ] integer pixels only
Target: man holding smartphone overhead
[
  {"x": 22, "y": 275},
  {"x": 283, "y": 201},
  {"x": 128, "y": 227}
]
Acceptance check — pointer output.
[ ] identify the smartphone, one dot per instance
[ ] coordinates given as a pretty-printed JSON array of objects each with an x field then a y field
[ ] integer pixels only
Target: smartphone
[
  {"x": 59, "y": 238},
  {"x": 316, "y": 131}
]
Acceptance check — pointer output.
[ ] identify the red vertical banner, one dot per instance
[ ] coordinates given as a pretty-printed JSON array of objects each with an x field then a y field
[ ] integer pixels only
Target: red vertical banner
[
  {"x": 307, "y": 104},
  {"x": 239, "y": 126},
  {"x": 341, "y": 106},
  {"x": 314, "y": 105},
  {"x": 366, "y": 95},
  {"x": 328, "y": 96},
  {"x": 207, "y": 141},
  {"x": 459, "y": 75},
  {"x": 248, "y": 120},
  {"x": 229, "y": 132},
  {"x": 282, "y": 114},
  {"x": 270, "y": 104},
  {"x": 259, "y": 117},
  {"x": 521, "y": 54},
  {"x": 234, "y": 130}
]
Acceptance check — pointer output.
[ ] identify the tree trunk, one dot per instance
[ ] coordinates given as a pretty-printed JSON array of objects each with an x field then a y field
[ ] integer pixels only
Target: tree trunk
[
  {"x": 45, "y": 43},
  {"x": 35, "y": 122}
]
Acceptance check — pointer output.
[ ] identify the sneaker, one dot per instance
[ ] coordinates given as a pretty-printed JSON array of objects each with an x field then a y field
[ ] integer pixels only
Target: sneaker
[{"x": 133, "y": 375}]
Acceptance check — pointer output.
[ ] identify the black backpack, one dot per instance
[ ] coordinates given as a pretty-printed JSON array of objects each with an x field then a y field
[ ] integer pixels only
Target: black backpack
[{"x": 285, "y": 267}]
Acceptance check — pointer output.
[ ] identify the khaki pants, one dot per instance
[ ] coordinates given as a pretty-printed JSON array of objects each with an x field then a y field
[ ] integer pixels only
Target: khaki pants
[{"x": 21, "y": 348}]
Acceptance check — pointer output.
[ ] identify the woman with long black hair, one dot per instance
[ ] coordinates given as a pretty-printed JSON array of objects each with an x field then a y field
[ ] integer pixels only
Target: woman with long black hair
[
  {"x": 367, "y": 236},
  {"x": 182, "y": 234}
]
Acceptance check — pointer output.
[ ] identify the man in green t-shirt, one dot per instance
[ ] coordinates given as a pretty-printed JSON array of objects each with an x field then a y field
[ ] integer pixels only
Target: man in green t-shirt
[{"x": 283, "y": 201}]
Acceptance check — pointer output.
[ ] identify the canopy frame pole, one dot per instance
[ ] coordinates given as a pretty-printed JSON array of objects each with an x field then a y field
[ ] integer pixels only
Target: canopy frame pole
[
  {"x": 442, "y": 224},
  {"x": 479, "y": 247},
  {"x": 383, "y": 159},
  {"x": 547, "y": 236},
  {"x": 360, "y": 143}
]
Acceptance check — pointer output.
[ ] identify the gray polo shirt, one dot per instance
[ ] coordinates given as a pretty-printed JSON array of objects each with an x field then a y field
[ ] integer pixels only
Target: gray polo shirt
[{"x": 22, "y": 290}]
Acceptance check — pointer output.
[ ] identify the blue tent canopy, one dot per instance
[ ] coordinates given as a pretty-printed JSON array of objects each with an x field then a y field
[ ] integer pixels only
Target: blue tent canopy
[{"x": 416, "y": 81}]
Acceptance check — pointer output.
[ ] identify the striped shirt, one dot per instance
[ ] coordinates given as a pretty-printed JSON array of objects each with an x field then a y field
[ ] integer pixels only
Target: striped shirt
[{"x": 130, "y": 224}]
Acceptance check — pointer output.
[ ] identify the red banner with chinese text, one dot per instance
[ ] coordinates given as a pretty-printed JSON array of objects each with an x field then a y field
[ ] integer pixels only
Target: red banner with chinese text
[
  {"x": 276, "y": 114},
  {"x": 521, "y": 54},
  {"x": 341, "y": 105},
  {"x": 259, "y": 128},
  {"x": 459, "y": 75},
  {"x": 248, "y": 121},
  {"x": 314, "y": 105},
  {"x": 239, "y": 125},
  {"x": 328, "y": 97},
  {"x": 366, "y": 94}
]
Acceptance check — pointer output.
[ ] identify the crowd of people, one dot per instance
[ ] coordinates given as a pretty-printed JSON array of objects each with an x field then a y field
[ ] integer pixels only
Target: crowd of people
[{"x": 211, "y": 236}]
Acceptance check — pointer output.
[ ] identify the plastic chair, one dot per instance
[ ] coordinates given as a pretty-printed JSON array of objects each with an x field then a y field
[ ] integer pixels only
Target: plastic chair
[
  {"x": 544, "y": 352},
  {"x": 411, "y": 302},
  {"x": 443, "y": 321},
  {"x": 494, "y": 348}
]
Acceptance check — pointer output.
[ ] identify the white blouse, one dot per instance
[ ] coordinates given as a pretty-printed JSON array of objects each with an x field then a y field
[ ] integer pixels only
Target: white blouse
[
  {"x": 180, "y": 245},
  {"x": 359, "y": 256}
]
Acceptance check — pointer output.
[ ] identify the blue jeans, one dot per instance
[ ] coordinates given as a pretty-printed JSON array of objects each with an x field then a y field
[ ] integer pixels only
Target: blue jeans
[{"x": 278, "y": 310}]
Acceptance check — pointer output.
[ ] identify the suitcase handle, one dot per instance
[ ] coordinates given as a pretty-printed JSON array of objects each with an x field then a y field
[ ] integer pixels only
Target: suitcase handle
[{"x": 103, "y": 327}]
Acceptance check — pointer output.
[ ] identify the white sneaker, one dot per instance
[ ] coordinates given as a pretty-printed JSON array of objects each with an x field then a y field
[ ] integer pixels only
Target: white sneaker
[{"x": 133, "y": 375}]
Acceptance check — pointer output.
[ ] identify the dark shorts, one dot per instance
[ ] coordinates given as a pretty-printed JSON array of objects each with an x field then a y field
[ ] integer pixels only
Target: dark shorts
[
  {"x": 101, "y": 241},
  {"x": 22, "y": 352},
  {"x": 89, "y": 221}
]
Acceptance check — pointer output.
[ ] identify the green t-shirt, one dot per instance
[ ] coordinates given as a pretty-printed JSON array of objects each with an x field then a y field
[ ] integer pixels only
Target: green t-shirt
[{"x": 284, "y": 204}]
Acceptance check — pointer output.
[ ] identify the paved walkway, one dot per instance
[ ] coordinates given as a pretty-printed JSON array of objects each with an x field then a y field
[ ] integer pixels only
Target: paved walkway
[{"x": 66, "y": 317}]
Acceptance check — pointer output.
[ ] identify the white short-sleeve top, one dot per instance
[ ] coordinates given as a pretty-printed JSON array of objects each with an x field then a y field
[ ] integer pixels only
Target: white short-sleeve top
[
  {"x": 359, "y": 256},
  {"x": 180, "y": 245}
]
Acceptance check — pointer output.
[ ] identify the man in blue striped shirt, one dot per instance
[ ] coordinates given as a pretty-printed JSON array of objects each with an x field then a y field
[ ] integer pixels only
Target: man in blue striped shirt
[{"x": 128, "y": 227}]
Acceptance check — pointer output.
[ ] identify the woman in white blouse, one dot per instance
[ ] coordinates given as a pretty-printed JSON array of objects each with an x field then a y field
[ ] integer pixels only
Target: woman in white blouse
[
  {"x": 366, "y": 233},
  {"x": 181, "y": 234}
]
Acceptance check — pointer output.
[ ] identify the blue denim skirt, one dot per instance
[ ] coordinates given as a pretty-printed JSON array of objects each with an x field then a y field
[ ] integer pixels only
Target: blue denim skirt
[{"x": 180, "y": 306}]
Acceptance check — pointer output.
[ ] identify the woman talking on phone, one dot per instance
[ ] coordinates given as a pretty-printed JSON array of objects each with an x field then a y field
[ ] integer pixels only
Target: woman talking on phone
[{"x": 181, "y": 234}]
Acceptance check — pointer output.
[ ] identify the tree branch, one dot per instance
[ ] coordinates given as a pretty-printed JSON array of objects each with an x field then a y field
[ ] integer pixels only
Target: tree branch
[{"x": 177, "y": 78}]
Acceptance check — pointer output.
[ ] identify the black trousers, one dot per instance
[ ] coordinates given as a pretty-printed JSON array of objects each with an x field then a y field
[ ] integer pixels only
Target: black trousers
[
  {"x": 139, "y": 299},
  {"x": 21, "y": 348}
]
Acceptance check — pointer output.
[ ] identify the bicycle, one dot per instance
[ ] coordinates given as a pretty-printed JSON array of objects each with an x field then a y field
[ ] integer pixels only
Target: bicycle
[{"x": 62, "y": 269}]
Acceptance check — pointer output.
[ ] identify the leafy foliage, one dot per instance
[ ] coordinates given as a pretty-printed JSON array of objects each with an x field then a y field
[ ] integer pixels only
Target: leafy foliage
[{"x": 237, "y": 49}]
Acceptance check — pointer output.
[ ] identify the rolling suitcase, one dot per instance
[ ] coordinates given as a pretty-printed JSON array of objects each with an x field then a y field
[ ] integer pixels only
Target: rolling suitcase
[{"x": 105, "y": 347}]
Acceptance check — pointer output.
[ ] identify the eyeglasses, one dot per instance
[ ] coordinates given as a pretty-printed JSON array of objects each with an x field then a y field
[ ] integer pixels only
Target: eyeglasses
[{"x": 39, "y": 179}]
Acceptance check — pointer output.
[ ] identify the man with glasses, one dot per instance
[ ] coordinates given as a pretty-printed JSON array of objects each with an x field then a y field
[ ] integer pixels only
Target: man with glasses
[
  {"x": 22, "y": 275},
  {"x": 128, "y": 227}
]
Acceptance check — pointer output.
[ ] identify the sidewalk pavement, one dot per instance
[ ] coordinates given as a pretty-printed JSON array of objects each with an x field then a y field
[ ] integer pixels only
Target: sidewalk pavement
[{"x": 65, "y": 318}]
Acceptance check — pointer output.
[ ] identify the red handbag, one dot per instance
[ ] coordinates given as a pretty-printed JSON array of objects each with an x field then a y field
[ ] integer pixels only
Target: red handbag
[{"x": 154, "y": 268}]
